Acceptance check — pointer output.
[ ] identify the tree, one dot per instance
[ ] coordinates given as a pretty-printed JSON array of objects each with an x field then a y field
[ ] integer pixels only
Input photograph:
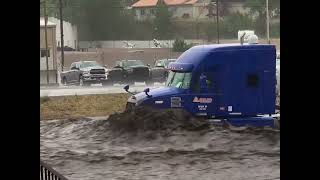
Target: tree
[
  {"x": 259, "y": 6},
  {"x": 258, "y": 10},
  {"x": 162, "y": 21},
  {"x": 100, "y": 19},
  {"x": 180, "y": 45}
]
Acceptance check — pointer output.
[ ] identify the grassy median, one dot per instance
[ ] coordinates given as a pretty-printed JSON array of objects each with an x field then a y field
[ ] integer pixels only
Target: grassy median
[{"x": 81, "y": 106}]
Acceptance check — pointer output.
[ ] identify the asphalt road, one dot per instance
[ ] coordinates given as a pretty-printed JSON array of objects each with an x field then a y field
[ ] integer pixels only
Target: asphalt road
[{"x": 93, "y": 89}]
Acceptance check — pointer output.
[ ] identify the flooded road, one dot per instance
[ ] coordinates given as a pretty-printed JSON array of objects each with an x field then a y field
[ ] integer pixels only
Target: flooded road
[{"x": 88, "y": 149}]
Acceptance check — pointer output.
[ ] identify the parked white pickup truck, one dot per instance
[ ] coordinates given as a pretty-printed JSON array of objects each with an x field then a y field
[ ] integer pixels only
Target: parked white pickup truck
[{"x": 85, "y": 73}]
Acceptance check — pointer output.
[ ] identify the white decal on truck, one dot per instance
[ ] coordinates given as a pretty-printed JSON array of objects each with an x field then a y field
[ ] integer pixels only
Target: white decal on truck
[
  {"x": 202, "y": 107},
  {"x": 202, "y": 100}
]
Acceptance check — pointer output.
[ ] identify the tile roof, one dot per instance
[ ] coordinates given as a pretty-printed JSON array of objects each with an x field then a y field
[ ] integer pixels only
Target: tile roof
[
  {"x": 151, "y": 3},
  {"x": 145, "y": 3}
]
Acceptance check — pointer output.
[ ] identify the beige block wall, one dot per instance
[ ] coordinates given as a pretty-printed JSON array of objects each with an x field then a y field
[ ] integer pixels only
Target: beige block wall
[
  {"x": 108, "y": 56},
  {"x": 52, "y": 45}
]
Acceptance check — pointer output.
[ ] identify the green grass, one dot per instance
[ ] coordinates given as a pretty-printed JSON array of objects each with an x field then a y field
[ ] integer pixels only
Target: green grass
[{"x": 81, "y": 106}]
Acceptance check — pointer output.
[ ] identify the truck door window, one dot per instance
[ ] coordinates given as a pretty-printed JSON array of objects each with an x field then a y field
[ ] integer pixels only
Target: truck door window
[
  {"x": 205, "y": 83},
  {"x": 73, "y": 65}
]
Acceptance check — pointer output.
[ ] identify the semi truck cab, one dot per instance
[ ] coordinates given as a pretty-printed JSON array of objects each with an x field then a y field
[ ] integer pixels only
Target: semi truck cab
[{"x": 229, "y": 81}]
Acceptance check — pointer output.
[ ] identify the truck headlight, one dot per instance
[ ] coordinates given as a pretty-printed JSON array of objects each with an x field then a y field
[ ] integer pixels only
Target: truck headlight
[
  {"x": 130, "y": 70},
  {"x": 85, "y": 73}
]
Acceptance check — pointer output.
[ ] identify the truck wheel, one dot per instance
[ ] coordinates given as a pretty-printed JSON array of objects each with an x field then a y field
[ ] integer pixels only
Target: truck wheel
[
  {"x": 83, "y": 83},
  {"x": 277, "y": 123},
  {"x": 86, "y": 84},
  {"x": 149, "y": 83},
  {"x": 64, "y": 81},
  {"x": 107, "y": 83}
]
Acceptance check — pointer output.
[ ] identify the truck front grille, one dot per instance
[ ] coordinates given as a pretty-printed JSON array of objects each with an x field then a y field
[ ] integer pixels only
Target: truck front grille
[
  {"x": 143, "y": 72},
  {"x": 97, "y": 71}
]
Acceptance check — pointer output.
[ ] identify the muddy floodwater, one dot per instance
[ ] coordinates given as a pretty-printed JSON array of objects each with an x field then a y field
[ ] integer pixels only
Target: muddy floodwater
[{"x": 87, "y": 149}]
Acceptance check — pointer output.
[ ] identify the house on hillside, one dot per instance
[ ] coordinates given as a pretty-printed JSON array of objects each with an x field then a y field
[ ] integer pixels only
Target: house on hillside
[{"x": 184, "y": 9}]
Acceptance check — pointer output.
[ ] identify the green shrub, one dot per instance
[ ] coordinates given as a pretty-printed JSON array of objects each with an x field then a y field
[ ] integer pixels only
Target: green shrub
[
  {"x": 235, "y": 22},
  {"x": 180, "y": 45}
]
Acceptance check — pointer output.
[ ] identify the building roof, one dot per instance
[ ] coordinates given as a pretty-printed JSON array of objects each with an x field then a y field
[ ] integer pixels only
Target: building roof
[
  {"x": 152, "y": 3},
  {"x": 179, "y": 2},
  {"x": 49, "y": 23},
  {"x": 145, "y": 3}
]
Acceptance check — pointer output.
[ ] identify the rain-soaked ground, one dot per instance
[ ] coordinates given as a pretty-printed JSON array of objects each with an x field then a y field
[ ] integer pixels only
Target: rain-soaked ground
[{"x": 89, "y": 149}]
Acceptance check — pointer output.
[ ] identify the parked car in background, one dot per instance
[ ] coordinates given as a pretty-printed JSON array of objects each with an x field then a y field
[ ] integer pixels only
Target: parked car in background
[
  {"x": 66, "y": 48},
  {"x": 278, "y": 74},
  {"x": 159, "y": 72},
  {"x": 278, "y": 79},
  {"x": 129, "y": 72},
  {"x": 85, "y": 73}
]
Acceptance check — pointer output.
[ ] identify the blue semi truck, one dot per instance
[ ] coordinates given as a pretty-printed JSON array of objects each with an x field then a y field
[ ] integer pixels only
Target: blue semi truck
[{"x": 231, "y": 82}]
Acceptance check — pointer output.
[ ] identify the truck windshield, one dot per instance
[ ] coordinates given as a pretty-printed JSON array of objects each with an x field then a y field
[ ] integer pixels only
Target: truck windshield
[
  {"x": 160, "y": 63},
  {"x": 133, "y": 63},
  {"x": 179, "y": 80},
  {"x": 89, "y": 64}
]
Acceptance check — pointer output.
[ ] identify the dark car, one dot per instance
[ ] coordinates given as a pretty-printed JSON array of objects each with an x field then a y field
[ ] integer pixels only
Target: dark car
[
  {"x": 85, "y": 73},
  {"x": 129, "y": 72},
  {"x": 66, "y": 48},
  {"x": 159, "y": 72}
]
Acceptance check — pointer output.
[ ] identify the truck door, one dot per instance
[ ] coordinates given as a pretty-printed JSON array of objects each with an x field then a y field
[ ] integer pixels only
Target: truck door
[
  {"x": 202, "y": 99},
  {"x": 76, "y": 73},
  {"x": 70, "y": 74},
  {"x": 73, "y": 72}
]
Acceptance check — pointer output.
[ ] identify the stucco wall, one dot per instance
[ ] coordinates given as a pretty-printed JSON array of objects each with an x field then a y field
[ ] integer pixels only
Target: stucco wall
[{"x": 70, "y": 33}]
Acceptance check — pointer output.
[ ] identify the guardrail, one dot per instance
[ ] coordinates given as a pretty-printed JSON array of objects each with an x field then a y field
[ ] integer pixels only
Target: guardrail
[{"x": 48, "y": 173}]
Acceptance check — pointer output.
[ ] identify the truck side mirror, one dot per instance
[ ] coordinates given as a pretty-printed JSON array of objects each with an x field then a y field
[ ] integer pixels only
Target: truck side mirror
[
  {"x": 148, "y": 65},
  {"x": 118, "y": 66},
  {"x": 146, "y": 91},
  {"x": 126, "y": 88}
]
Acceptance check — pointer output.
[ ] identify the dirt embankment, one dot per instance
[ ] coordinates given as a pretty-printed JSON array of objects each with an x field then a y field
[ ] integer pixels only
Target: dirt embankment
[{"x": 81, "y": 106}]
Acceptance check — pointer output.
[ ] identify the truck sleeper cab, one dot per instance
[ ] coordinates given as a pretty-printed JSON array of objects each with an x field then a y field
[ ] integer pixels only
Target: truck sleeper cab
[{"x": 219, "y": 81}]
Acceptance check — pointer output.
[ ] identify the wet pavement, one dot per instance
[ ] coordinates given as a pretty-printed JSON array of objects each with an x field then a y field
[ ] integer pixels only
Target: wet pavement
[{"x": 93, "y": 89}]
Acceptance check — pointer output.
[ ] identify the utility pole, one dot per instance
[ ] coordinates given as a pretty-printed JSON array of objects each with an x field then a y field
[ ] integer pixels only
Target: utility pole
[
  {"x": 61, "y": 35},
  {"x": 46, "y": 37},
  {"x": 267, "y": 12},
  {"x": 217, "y": 3}
]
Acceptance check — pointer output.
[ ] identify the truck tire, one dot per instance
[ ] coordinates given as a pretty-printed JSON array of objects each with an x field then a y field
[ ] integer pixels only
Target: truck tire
[
  {"x": 83, "y": 83},
  {"x": 107, "y": 83},
  {"x": 80, "y": 81},
  {"x": 64, "y": 81},
  {"x": 149, "y": 83},
  {"x": 277, "y": 123}
]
